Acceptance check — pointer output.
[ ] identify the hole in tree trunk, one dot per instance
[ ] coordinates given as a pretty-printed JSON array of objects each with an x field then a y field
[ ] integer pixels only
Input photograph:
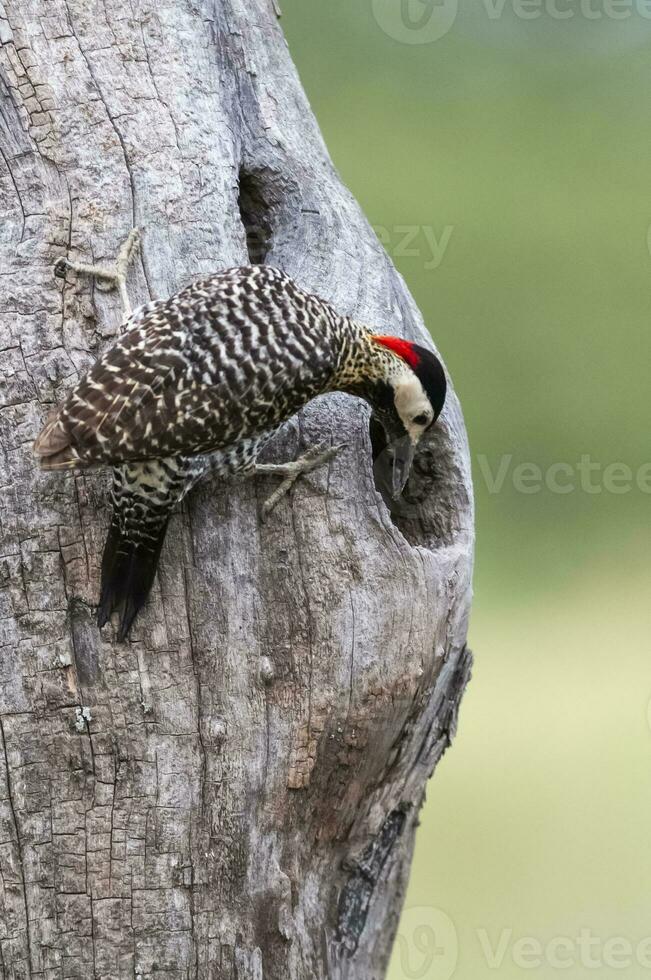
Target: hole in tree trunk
[
  {"x": 426, "y": 513},
  {"x": 255, "y": 211}
]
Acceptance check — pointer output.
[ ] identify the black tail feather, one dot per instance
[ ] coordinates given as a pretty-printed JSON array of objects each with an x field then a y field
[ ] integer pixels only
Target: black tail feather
[{"x": 128, "y": 571}]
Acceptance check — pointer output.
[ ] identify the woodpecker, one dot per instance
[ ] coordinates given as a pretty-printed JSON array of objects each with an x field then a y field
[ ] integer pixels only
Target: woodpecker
[{"x": 199, "y": 382}]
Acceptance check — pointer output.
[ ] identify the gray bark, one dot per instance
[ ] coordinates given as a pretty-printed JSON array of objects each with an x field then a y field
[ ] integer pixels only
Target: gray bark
[{"x": 234, "y": 793}]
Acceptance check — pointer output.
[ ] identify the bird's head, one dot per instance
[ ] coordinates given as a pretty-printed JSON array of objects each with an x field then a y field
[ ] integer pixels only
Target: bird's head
[{"x": 407, "y": 395}]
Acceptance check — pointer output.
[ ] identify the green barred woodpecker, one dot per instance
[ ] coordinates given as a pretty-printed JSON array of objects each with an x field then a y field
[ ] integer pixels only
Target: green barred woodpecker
[{"x": 199, "y": 382}]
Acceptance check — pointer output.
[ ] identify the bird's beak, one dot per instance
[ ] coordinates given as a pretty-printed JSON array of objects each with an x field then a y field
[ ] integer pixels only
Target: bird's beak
[{"x": 403, "y": 456}]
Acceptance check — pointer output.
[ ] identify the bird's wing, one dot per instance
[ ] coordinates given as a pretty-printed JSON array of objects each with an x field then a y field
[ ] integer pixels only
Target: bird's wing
[{"x": 173, "y": 383}]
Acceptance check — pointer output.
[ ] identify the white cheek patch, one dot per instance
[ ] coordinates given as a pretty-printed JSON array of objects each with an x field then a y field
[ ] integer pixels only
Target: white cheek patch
[{"x": 410, "y": 401}]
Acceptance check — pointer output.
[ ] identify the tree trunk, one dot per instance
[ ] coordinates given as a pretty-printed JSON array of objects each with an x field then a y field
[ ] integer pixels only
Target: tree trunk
[{"x": 234, "y": 792}]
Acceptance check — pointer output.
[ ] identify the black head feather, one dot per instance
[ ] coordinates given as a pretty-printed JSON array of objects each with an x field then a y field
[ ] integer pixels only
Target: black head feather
[{"x": 429, "y": 371}]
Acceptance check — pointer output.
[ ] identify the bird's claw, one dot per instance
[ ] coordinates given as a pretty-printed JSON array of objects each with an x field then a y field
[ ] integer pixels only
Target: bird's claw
[
  {"x": 312, "y": 459},
  {"x": 318, "y": 455},
  {"x": 107, "y": 277}
]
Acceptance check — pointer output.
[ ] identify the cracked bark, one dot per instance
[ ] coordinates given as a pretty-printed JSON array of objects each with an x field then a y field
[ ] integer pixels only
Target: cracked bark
[{"x": 239, "y": 798}]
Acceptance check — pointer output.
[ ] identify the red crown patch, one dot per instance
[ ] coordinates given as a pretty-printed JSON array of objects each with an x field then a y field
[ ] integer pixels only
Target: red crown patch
[{"x": 403, "y": 348}]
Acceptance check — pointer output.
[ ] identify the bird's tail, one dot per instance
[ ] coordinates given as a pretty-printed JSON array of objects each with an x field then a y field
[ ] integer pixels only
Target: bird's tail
[
  {"x": 128, "y": 571},
  {"x": 144, "y": 495}
]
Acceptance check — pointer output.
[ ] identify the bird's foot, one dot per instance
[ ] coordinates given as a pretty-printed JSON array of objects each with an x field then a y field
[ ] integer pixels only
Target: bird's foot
[
  {"x": 114, "y": 276},
  {"x": 290, "y": 472}
]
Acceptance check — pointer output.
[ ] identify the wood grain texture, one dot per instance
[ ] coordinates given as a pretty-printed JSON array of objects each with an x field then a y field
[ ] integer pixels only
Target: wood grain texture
[{"x": 234, "y": 793}]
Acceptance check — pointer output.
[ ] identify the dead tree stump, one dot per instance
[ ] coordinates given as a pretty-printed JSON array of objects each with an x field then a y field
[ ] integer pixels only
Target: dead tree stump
[{"x": 233, "y": 793}]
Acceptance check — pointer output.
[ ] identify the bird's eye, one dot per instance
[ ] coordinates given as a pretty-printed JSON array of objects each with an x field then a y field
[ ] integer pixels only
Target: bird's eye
[{"x": 421, "y": 419}]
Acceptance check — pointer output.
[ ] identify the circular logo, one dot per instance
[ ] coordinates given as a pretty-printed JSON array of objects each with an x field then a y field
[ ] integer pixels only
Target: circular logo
[
  {"x": 427, "y": 947},
  {"x": 415, "y": 21}
]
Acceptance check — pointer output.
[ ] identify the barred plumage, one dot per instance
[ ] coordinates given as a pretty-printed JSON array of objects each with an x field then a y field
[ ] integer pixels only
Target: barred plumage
[
  {"x": 199, "y": 381},
  {"x": 144, "y": 494},
  {"x": 227, "y": 357}
]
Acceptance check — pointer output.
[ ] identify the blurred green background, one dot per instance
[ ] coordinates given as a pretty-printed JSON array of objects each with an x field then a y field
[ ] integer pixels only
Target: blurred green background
[{"x": 520, "y": 150}]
